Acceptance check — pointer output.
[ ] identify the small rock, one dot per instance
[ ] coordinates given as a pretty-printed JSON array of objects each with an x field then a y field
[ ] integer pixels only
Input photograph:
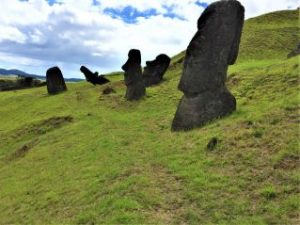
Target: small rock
[
  {"x": 294, "y": 52},
  {"x": 212, "y": 144},
  {"x": 108, "y": 90}
]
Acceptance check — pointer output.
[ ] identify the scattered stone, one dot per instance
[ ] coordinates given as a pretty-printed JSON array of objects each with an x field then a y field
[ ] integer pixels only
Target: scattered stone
[
  {"x": 155, "y": 70},
  {"x": 55, "y": 81},
  {"x": 212, "y": 49},
  {"x": 108, "y": 90},
  {"x": 295, "y": 52},
  {"x": 212, "y": 144},
  {"x": 133, "y": 76},
  {"x": 93, "y": 78}
]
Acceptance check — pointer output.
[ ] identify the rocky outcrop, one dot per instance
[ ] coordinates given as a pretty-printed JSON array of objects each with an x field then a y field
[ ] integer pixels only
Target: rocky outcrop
[
  {"x": 212, "y": 49},
  {"x": 155, "y": 70},
  {"x": 93, "y": 78},
  {"x": 55, "y": 81},
  {"x": 133, "y": 76}
]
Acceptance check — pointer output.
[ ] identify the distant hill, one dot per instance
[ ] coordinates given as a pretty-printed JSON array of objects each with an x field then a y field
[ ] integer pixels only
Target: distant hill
[{"x": 10, "y": 72}]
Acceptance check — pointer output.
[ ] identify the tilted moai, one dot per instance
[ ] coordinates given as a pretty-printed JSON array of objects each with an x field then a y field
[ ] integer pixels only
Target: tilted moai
[
  {"x": 155, "y": 70},
  {"x": 55, "y": 81},
  {"x": 212, "y": 49},
  {"x": 93, "y": 78},
  {"x": 133, "y": 76}
]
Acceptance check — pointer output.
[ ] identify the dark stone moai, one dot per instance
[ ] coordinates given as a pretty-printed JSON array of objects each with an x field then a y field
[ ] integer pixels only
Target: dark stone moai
[
  {"x": 212, "y": 49},
  {"x": 155, "y": 70},
  {"x": 93, "y": 78},
  {"x": 133, "y": 76},
  {"x": 55, "y": 81}
]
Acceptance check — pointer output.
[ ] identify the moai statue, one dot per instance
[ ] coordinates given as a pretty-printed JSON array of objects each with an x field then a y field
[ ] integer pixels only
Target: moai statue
[
  {"x": 133, "y": 76},
  {"x": 155, "y": 70},
  {"x": 212, "y": 49},
  {"x": 55, "y": 81},
  {"x": 93, "y": 78}
]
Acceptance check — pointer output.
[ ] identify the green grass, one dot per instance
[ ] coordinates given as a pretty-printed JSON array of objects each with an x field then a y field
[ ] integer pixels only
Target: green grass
[{"x": 83, "y": 158}]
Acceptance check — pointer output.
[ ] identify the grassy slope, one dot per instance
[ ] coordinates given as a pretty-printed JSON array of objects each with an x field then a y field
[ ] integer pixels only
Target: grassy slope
[{"x": 80, "y": 157}]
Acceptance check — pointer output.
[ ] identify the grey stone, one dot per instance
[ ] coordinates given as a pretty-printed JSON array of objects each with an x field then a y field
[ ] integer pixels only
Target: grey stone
[
  {"x": 55, "y": 81},
  {"x": 133, "y": 76},
  {"x": 212, "y": 49},
  {"x": 155, "y": 70}
]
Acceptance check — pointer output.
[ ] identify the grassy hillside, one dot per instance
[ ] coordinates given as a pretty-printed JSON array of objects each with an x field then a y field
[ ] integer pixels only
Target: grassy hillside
[
  {"x": 84, "y": 158},
  {"x": 266, "y": 38}
]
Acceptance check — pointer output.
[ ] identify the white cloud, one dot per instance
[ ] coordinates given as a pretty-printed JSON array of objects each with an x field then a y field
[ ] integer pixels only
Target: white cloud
[{"x": 76, "y": 32}]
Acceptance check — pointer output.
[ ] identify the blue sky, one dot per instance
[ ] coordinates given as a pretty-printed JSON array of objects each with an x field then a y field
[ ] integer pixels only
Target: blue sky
[{"x": 38, "y": 34}]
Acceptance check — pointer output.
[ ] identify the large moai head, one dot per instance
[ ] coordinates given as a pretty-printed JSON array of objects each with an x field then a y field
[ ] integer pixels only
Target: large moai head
[
  {"x": 155, "y": 70},
  {"x": 212, "y": 49},
  {"x": 55, "y": 81},
  {"x": 133, "y": 76},
  {"x": 93, "y": 78}
]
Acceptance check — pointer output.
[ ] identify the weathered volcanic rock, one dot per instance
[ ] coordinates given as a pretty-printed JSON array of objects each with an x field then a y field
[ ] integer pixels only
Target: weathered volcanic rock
[
  {"x": 133, "y": 76},
  {"x": 93, "y": 78},
  {"x": 108, "y": 90},
  {"x": 155, "y": 70},
  {"x": 212, "y": 49},
  {"x": 55, "y": 81},
  {"x": 295, "y": 52}
]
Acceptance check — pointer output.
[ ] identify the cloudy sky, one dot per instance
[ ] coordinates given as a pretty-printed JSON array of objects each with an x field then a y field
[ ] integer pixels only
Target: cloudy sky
[{"x": 38, "y": 34}]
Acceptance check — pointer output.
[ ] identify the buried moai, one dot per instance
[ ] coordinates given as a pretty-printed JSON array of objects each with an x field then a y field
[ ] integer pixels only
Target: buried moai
[
  {"x": 133, "y": 76},
  {"x": 155, "y": 70},
  {"x": 93, "y": 78},
  {"x": 55, "y": 81},
  {"x": 212, "y": 49}
]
